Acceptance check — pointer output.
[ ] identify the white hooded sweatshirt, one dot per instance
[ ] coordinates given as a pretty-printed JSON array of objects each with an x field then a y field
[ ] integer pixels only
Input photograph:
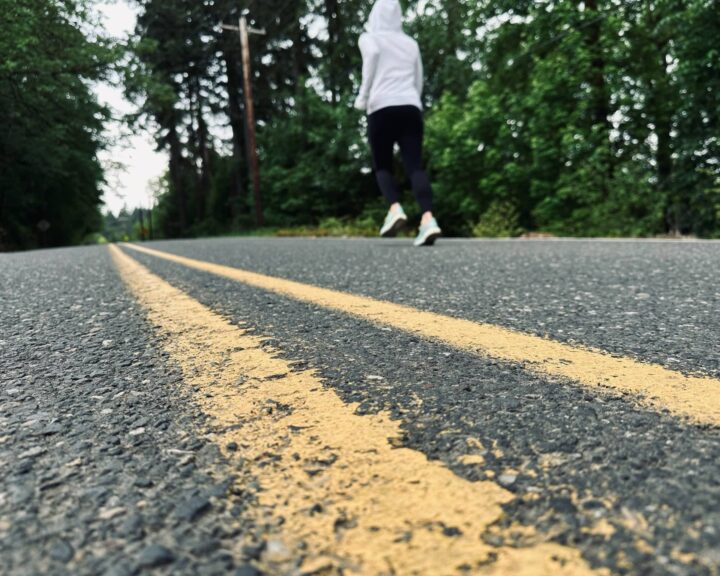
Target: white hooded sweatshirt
[{"x": 392, "y": 72}]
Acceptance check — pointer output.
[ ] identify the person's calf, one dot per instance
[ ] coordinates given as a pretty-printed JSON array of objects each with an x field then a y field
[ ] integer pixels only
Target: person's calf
[
  {"x": 388, "y": 186},
  {"x": 422, "y": 189}
]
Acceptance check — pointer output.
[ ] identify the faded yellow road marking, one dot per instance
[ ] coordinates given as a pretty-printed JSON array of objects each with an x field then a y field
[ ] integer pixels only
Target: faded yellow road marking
[
  {"x": 696, "y": 397},
  {"x": 349, "y": 502}
]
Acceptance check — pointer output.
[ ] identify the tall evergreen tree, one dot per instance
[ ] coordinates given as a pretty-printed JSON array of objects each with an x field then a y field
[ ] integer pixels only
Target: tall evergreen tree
[{"x": 50, "y": 123}]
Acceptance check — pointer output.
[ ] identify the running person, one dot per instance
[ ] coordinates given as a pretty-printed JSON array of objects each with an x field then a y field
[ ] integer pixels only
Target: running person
[{"x": 392, "y": 81}]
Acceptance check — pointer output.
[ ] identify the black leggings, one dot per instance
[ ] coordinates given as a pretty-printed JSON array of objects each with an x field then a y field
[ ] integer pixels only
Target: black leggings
[{"x": 404, "y": 125}]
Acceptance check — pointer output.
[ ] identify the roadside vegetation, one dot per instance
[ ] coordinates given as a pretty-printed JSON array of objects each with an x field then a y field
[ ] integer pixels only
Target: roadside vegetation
[
  {"x": 51, "y": 126},
  {"x": 568, "y": 118}
]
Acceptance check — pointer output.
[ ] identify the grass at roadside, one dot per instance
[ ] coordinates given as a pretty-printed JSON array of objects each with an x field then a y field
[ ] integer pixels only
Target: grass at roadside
[{"x": 333, "y": 227}]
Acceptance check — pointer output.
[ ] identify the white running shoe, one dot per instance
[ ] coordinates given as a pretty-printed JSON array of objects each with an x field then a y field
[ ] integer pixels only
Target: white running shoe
[
  {"x": 394, "y": 222},
  {"x": 428, "y": 233}
]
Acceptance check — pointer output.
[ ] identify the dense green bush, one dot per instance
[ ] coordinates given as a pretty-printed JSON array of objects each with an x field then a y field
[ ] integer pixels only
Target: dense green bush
[
  {"x": 50, "y": 123},
  {"x": 500, "y": 220}
]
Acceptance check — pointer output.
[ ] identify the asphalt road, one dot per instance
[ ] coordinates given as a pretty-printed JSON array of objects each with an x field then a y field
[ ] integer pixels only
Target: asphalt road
[{"x": 108, "y": 467}]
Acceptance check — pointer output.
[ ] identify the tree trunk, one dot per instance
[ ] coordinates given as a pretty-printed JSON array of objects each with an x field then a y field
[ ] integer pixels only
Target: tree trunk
[
  {"x": 176, "y": 176},
  {"x": 662, "y": 118},
  {"x": 195, "y": 149},
  {"x": 660, "y": 108},
  {"x": 600, "y": 96},
  {"x": 203, "y": 190},
  {"x": 332, "y": 13}
]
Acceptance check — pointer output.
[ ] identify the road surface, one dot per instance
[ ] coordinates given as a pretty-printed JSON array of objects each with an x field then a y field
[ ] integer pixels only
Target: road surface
[{"x": 299, "y": 406}]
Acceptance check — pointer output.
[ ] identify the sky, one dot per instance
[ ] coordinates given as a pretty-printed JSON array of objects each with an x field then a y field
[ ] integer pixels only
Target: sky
[{"x": 131, "y": 162}]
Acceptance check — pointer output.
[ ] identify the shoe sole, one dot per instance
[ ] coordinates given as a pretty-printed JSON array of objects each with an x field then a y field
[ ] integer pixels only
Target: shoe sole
[
  {"x": 429, "y": 240},
  {"x": 398, "y": 225}
]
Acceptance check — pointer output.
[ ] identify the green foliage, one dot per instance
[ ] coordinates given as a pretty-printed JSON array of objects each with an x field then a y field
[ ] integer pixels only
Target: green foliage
[
  {"x": 313, "y": 163},
  {"x": 50, "y": 124},
  {"x": 94, "y": 238},
  {"x": 592, "y": 118},
  {"x": 576, "y": 119},
  {"x": 121, "y": 228},
  {"x": 500, "y": 220},
  {"x": 334, "y": 227},
  {"x": 584, "y": 118}
]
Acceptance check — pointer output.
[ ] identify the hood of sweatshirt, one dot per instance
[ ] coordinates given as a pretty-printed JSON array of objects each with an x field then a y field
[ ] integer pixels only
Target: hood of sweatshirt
[{"x": 385, "y": 16}]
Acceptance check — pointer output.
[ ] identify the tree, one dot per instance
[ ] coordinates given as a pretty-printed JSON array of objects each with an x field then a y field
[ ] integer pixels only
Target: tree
[
  {"x": 586, "y": 118},
  {"x": 50, "y": 123}
]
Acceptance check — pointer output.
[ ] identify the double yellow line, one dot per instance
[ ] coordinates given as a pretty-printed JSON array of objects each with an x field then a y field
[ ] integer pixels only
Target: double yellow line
[
  {"x": 335, "y": 495},
  {"x": 653, "y": 386}
]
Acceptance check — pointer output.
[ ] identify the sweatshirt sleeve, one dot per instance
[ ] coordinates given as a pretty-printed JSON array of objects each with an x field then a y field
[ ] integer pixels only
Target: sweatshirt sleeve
[
  {"x": 370, "y": 55},
  {"x": 419, "y": 80}
]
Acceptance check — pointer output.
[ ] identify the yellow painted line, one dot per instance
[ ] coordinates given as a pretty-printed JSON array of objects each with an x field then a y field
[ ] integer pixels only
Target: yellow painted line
[
  {"x": 333, "y": 490},
  {"x": 656, "y": 387}
]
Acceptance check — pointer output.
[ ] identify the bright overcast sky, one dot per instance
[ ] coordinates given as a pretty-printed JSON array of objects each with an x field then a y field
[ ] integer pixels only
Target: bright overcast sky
[{"x": 132, "y": 162}]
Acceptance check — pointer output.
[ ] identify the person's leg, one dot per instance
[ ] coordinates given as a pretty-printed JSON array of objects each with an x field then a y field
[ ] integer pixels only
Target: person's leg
[
  {"x": 382, "y": 141},
  {"x": 411, "y": 140},
  {"x": 381, "y": 128}
]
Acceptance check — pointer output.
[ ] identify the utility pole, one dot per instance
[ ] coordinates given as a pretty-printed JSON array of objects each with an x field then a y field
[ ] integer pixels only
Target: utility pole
[
  {"x": 150, "y": 229},
  {"x": 142, "y": 224},
  {"x": 253, "y": 163}
]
